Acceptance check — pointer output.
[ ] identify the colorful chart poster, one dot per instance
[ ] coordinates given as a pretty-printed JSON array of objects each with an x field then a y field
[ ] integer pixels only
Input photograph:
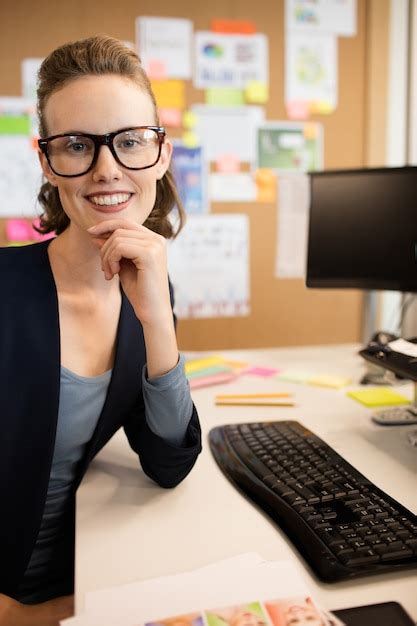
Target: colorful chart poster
[
  {"x": 290, "y": 146},
  {"x": 190, "y": 173},
  {"x": 164, "y": 45},
  {"x": 311, "y": 73},
  {"x": 326, "y": 16},
  {"x": 209, "y": 266},
  {"x": 223, "y": 60}
]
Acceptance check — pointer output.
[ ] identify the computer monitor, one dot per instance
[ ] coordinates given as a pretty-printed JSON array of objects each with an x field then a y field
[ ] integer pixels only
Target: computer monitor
[{"x": 363, "y": 229}]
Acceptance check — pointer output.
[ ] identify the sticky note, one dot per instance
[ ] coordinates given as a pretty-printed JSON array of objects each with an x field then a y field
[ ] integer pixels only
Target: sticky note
[
  {"x": 208, "y": 371},
  {"x": 321, "y": 107},
  {"x": 329, "y": 380},
  {"x": 266, "y": 184},
  {"x": 310, "y": 130},
  {"x": 217, "y": 379},
  {"x": 18, "y": 230},
  {"x": 228, "y": 163},
  {"x": 295, "y": 376},
  {"x": 169, "y": 93},
  {"x": 190, "y": 139},
  {"x": 189, "y": 119},
  {"x": 261, "y": 371},
  {"x": 256, "y": 92},
  {"x": 198, "y": 364},
  {"x": 378, "y": 396},
  {"x": 156, "y": 69},
  {"x": 224, "y": 96},
  {"x": 298, "y": 110},
  {"x": 170, "y": 117},
  {"x": 243, "y": 27},
  {"x": 14, "y": 125}
]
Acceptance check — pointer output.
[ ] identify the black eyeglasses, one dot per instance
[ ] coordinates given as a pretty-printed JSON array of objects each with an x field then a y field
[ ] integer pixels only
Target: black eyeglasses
[{"x": 72, "y": 154}]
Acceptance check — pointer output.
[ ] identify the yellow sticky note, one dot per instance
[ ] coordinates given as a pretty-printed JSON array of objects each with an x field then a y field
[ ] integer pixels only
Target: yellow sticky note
[
  {"x": 256, "y": 92},
  {"x": 378, "y": 396},
  {"x": 189, "y": 119},
  {"x": 169, "y": 93},
  {"x": 328, "y": 380},
  {"x": 224, "y": 96},
  {"x": 310, "y": 130},
  {"x": 190, "y": 139},
  {"x": 321, "y": 107},
  {"x": 199, "y": 364}
]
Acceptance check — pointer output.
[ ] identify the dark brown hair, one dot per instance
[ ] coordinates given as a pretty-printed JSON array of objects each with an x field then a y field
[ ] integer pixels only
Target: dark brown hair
[{"x": 96, "y": 56}]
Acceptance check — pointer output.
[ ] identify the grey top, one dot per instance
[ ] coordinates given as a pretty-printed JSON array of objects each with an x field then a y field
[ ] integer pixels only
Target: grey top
[{"x": 168, "y": 409}]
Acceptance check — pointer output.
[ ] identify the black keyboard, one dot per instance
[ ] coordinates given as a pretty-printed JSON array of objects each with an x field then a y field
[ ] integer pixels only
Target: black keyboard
[{"x": 342, "y": 524}]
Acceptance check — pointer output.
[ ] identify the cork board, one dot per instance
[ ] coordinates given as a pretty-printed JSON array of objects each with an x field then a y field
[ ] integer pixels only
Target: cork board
[{"x": 283, "y": 312}]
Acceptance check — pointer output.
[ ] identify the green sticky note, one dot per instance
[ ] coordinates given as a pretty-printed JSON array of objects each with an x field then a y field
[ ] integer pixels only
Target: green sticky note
[
  {"x": 295, "y": 376},
  {"x": 14, "y": 125},
  {"x": 378, "y": 396},
  {"x": 224, "y": 96}
]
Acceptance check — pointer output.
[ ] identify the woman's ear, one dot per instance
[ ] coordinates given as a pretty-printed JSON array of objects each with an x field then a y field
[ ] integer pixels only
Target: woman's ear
[
  {"x": 46, "y": 169},
  {"x": 164, "y": 159}
]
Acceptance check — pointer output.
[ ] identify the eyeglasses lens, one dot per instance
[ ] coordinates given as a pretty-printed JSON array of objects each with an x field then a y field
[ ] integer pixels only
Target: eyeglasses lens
[{"x": 73, "y": 155}]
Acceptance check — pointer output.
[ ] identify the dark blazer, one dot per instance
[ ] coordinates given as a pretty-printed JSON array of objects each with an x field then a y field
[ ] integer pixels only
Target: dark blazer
[{"x": 29, "y": 396}]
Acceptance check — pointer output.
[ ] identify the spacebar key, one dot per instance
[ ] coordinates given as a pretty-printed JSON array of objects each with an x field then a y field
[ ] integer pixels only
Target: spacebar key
[{"x": 249, "y": 459}]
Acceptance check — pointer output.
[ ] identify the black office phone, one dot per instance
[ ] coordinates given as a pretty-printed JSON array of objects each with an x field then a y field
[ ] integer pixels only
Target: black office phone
[{"x": 384, "y": 614}]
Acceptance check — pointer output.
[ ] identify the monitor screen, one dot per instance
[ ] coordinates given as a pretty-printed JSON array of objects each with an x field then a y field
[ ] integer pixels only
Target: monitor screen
[{"x": 363, "y": 229}]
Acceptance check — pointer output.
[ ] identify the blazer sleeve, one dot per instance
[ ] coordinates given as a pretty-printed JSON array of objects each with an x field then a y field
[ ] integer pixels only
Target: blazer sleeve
[{"x": 163, "y": 462}]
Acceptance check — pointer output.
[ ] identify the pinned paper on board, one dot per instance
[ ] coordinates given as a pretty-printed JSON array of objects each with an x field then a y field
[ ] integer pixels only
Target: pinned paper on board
[
  {"x": 228, "y": 163},
  {"x": 190, "y": 171},
  {"x": 29, "y": 73},
  {"x": 229, "y": 60},
  {"x": 311, "y": 73},
  {"x": 165, "y": 42},
  {"x": 326, "y": 16},
  {"x": 224, "y": 130},
  {"x": 232, "y": 187},
  {"x": 209, "y": 266},
  {"x": 292, "y": 225},
  {"x": 290, "y": 146}
]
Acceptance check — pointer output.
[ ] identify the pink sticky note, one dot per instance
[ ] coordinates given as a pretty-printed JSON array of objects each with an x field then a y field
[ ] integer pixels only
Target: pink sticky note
[
  {"x": 156, "y": 69},
  {"x": 217, "y": 379},
  {"x": 227, "y": 163},
  {"x": 35, "y": 236},
  {"x": 298, "y": 110},
  {"x": 261, "y": 371},
  {"x": 170, "y": 117},
  {"x": 18, "y": 230}
]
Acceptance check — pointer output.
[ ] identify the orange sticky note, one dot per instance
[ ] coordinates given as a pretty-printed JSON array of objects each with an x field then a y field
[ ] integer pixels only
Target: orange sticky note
[
  {"x": 321, "y": 107},
  {"x": 310, "y": 131},
  {"x": 266, "y": 183},
  {"x": 227, "y": 163},
  {"x": 242, "y": 27},
  {"x": 169, "y": 93}
]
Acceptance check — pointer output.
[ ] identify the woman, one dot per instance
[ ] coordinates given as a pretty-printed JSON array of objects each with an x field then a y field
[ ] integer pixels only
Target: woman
[{"x": 87, "y": 332}]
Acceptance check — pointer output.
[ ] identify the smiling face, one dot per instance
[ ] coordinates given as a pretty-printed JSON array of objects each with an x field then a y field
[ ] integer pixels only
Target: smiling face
[{"x": 100, "y": 105}]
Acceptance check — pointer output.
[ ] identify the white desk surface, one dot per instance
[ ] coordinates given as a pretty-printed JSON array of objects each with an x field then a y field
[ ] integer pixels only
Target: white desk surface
[{"x": 130, "y": 529}]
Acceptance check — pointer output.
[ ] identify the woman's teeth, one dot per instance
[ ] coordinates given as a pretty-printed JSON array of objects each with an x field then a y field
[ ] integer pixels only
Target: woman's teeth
[{"x": 107, "y": 200}]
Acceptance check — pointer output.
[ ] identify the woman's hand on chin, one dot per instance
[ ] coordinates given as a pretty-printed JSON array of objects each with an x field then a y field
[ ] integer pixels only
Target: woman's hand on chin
[{"x": 138, "y": 256}]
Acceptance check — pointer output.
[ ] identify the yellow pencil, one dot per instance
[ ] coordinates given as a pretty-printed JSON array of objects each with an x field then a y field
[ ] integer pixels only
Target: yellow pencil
[{"x": 244, "y": 396}]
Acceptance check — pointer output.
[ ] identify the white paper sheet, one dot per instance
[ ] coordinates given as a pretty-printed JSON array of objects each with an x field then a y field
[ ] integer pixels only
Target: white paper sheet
[
  {"x": 168, "y": 41},
  {"x": 311, "y": 73},
  {"x": 227, "y": 582},
  {"x": 239, "y": 187},
  {"x": 404, "y": 347},
  {"x": 228, "y": 130},
  {"x": 29, "y": 70},
  {"x": 20, "y": 176},
  {"x": 229, "y": 60},
  {"x": 209, "y": 266},
  {"x": 292, "y": 225},
  {"x": 327, "y": 16}
]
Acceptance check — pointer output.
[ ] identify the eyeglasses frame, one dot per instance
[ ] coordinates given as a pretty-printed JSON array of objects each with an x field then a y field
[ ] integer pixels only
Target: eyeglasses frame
[{"x": 103, "y": 140}]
